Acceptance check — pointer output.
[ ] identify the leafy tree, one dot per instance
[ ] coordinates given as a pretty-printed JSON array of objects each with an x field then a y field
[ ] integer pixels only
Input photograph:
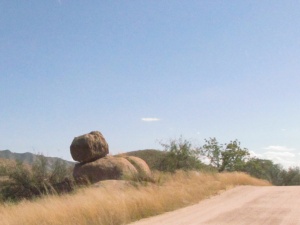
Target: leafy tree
[
  {"x": 213, "y": 151},
  {"x": 234, "y": 157},
  {"x": 275, "y": 173},
  {"x": 264, "y": 169},
  {"x": 290, "y": 176},
  {"x": 227, "y": 157},
  {"x": 180, "y": 155}
]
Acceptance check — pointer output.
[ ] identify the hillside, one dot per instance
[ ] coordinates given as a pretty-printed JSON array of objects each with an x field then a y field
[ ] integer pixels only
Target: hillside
[{"x": 29, "y": 158}]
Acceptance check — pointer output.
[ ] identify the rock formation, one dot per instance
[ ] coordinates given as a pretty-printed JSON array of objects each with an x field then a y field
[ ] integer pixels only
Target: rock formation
[{"x": 91, "y": 150}]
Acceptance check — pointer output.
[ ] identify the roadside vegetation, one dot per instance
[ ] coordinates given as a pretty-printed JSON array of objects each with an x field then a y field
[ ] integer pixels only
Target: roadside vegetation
[
  {"x": 181, "y": 154},
  {"x": 46, "y": 194},
  {"x": 121, "y": 202},
  {"x": 232, "y": 157},
  {"x": 22, "y": 181}
]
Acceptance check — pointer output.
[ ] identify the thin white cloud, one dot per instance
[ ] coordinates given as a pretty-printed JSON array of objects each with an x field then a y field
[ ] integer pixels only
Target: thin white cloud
[
  {"x": 149, "y": 119},
  {"x": 280, "y": 154}
]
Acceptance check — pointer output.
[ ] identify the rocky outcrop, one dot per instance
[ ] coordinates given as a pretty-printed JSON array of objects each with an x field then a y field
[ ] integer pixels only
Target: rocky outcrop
[
  {"x": 91, "y": 150},
  {"x": 107, "y": 168},
  {"x": 89, "y": 147}
]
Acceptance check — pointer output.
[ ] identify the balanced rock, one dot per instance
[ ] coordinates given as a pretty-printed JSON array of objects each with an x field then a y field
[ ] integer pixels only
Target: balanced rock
[
  {"x": 89, "y": 147},
  {"x": 107, "y": 168}
]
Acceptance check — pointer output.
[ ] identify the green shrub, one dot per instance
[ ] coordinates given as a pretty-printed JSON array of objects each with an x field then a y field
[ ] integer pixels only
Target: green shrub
[{"x": 28, "y": 183}]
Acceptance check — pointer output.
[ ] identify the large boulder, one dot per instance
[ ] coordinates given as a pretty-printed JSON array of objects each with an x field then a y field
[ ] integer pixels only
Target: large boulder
[
  {"x": 89, "y": 147},
  {"x": 141, "y": 166},
  {"x": 107, "y": 168}
]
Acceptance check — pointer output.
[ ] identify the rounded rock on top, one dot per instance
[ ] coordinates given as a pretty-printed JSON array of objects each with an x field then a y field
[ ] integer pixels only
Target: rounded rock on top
[{"x": 89, "y": 147}]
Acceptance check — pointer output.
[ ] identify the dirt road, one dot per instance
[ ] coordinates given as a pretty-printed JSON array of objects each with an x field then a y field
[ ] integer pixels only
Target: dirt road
[{"x": 240, "y": 206}]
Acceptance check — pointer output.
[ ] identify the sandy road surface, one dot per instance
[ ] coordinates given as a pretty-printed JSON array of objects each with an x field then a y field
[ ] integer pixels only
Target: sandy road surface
[{"x": 243, "y": 205}]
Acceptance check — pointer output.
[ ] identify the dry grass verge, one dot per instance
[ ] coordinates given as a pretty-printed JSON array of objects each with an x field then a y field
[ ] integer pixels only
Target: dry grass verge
[{"x": 111, "y": 203}]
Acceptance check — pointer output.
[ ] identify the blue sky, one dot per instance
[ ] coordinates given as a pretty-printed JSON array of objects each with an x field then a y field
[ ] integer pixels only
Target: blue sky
[{"x": 224, "y": 69}]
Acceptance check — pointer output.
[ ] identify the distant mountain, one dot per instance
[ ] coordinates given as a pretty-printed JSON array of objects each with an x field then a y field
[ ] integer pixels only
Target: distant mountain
[{"x": 29, "y": 158}]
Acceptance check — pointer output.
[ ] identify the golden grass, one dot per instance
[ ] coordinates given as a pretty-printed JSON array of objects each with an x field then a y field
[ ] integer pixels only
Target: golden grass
[{"x": 121, "y": 203}]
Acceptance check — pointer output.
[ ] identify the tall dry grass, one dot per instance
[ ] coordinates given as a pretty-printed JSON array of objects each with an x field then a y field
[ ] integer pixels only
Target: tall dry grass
[{"x": 121, "y": 203}]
